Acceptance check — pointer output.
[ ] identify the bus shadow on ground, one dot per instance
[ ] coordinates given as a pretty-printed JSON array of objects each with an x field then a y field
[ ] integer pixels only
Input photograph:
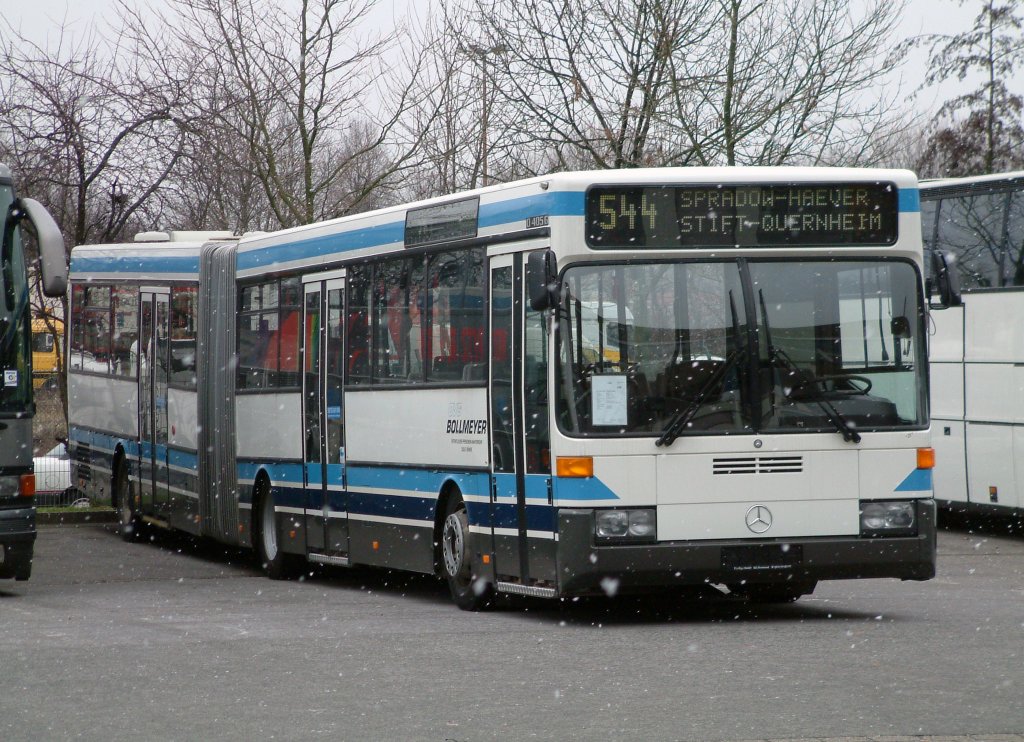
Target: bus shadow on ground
[
  {"x": 680, "y": 605},
  {"x": 960, "y": 519}
]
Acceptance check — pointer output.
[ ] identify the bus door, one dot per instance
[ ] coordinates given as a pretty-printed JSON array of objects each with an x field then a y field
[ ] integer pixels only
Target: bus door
[
  {"x": 151, "y": 355},
  {"x": 524, "y": 521},
  {"x": 323, "y": 415}
]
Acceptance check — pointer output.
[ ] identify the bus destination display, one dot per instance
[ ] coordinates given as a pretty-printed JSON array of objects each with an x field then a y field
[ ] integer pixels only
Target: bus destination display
[{"x": 763, "y": 215}]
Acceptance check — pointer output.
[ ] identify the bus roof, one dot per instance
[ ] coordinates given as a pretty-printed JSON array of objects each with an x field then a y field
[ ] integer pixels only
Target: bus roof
[
  {"x": 508, "y": 207},
  {"x": 971, "y": 179},
  {"x": 173, "y": 257}
]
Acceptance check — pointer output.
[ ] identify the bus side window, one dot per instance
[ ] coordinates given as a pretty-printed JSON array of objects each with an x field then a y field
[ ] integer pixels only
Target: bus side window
[
  {"x": 1015, "y": 236},
  {"x": 972, "y": 228}
]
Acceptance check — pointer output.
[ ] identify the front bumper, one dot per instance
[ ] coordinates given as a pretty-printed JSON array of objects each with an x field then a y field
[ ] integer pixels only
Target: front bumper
[
  {"x": 17, "y": 524},
  {"x": 584, "y": 566},
  {"x": 17, "y": 539}
]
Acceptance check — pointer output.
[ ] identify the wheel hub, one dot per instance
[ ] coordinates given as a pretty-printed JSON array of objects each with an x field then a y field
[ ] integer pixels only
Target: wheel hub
[{"x": 453, "y": 545}]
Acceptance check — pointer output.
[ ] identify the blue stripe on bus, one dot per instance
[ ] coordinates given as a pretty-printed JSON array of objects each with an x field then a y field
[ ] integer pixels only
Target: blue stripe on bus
[
  {"x": 280, "y": 474},
  {"x": 919, "y": 480},
  {"x": 587, "y": 488},
  {"x": 559, "y": 203},
  {"x": 562, "y": 203},
  {"x": 909, "y": 199},
  {"x": 538, "y": 517},
  {"x": 135, "y": 264},
  {"x": 183, "y": 459},
  {"x": 413, "y": 481},
  {"x": 357, "y": 239}
]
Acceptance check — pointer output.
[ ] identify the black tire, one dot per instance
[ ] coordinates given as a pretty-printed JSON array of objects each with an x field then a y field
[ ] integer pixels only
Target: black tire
[
  {"x": 775, "y": 592},
  {"x": 23, "y": 569},
  {"x": 128, "y": 521},
  {"x": 470, "y": 592},
  {"x": 274, "y": 561}
]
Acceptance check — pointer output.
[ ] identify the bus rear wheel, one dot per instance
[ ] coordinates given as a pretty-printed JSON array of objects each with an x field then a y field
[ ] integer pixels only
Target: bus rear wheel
[
  {"x": 469, "y": 592},
  {"x": 268, "y": 548}
]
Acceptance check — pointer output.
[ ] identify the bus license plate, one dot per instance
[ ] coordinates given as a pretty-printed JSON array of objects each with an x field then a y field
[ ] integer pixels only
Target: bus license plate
[{"x": 762, "y": 558}]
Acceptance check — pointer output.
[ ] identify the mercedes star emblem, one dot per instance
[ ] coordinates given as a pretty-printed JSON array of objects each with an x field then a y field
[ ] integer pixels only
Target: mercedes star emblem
[{"x": 759, "y": 519}]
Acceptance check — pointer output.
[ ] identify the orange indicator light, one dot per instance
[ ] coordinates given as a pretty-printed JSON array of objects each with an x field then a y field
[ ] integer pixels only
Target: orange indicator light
[
  {"x": 926, "y": 458},
  {"x": 575, "y": 466}
]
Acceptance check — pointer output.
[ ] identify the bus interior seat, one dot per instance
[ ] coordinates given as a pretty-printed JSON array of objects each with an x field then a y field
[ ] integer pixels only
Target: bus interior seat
[{"x": 474, "y": 372}]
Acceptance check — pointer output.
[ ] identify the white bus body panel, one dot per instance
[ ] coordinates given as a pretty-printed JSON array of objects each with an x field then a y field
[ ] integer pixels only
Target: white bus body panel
[
  {"x": 990, "y": 334},
  {"x": 990, "y": 450},
  {"x": 269, "y": 426},
  {"x": 949, "y": 442},
  {"x": 445, "y": 427},
  {"x": 181, "y": 418},
  {"x": 947, "y": 391},
  {"x": 104, "y": 403},
  {"x": 810, "y": 492},
  {"x": 946, "y": 343},
  {"x": 977, "y": 398}
]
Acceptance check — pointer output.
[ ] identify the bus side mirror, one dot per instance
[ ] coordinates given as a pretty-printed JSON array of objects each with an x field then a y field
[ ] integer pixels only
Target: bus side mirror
[
  {"x": 945, "y": 280},
  {"x": 542, "y": 280},
  {"x": 52, "y": 257}
]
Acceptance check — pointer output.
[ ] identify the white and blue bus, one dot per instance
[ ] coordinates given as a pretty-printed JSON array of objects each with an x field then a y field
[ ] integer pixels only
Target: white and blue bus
[
  {"x": 582, "y": 383},
  {"x": 977, "y": 352}
]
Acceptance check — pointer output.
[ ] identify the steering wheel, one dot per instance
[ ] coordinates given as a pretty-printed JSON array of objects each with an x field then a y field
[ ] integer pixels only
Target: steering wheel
[{"x": 856, "y": 384}]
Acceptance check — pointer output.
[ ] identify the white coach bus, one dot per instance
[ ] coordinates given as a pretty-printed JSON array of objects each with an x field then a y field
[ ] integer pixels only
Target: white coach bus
[
  {"x": 414, "y": 388},
  {"x": 977, "y": 352}
]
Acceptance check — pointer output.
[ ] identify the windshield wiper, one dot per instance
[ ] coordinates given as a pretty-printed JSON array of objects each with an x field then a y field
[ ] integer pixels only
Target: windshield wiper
[
  {"x": 684, "y": 416},
  {"x": 805, "y": 381}
]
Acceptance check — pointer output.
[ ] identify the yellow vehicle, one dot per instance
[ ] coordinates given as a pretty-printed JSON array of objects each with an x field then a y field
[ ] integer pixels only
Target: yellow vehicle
[{"x": 47, "y": 341}]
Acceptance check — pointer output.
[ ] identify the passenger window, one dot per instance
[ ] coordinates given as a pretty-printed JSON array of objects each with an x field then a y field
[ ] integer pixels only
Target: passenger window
[{"x": 972, "y": 228}]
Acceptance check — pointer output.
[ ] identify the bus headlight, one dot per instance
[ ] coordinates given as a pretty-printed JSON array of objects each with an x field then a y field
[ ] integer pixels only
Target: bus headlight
[
  {"x": 625, "y": 525},
  {"x": 888, "y": 518}
]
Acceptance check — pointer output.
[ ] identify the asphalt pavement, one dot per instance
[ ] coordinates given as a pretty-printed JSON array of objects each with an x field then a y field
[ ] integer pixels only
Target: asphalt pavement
[{"x": 178, "y": 639}]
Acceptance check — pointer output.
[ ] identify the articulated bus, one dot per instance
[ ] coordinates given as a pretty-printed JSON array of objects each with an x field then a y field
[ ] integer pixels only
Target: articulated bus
[
  {"x": 17, "y": 483},
  {"x": 584, "y": 383},
  {"x": 977, "y": 352}
]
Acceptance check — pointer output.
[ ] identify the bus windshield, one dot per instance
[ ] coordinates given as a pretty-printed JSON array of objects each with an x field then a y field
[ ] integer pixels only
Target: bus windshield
[
  {"x": 677, "y": 348},
  {"x": 15, "y": 386}
]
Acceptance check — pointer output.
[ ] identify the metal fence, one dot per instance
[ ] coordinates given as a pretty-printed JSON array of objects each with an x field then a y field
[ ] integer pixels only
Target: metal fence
[{"x": 53, "y": 481}]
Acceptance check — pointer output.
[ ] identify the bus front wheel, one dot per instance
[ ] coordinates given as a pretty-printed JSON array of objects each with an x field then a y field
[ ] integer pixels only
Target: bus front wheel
[{"x": 470, "y": 592}]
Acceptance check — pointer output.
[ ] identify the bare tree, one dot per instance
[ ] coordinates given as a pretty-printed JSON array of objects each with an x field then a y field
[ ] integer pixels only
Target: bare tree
[
  {"x": 294, "y": 94},
  {"x": 90, "y": 133},
  {"x": 450, "y": 120},
  {"x": 584, "y": 80},
  {"x": 981, "y": 130},
  {"x": 583, "y": 83},
  {"x": 93, "y": 137},
  {"x": 783, "y": 82}
]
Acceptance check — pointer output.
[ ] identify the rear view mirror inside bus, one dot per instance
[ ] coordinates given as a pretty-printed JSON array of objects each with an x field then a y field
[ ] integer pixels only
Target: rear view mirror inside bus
[{"x": 542, "y": 280}]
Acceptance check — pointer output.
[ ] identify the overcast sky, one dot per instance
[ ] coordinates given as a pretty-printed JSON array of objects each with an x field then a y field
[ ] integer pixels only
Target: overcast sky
[{"x": 38, "y": 18}]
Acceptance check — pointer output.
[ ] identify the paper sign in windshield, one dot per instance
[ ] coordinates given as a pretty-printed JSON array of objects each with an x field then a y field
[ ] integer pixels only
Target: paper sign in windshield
[{"x": 608, "y": 393}]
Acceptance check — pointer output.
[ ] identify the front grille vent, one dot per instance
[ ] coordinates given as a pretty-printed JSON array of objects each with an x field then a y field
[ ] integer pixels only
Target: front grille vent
[{"x": 758, "y": 465}]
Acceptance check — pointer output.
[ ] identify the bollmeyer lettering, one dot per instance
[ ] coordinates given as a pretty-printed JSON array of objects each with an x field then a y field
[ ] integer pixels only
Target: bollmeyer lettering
[{"x": 466, "y": 427}]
